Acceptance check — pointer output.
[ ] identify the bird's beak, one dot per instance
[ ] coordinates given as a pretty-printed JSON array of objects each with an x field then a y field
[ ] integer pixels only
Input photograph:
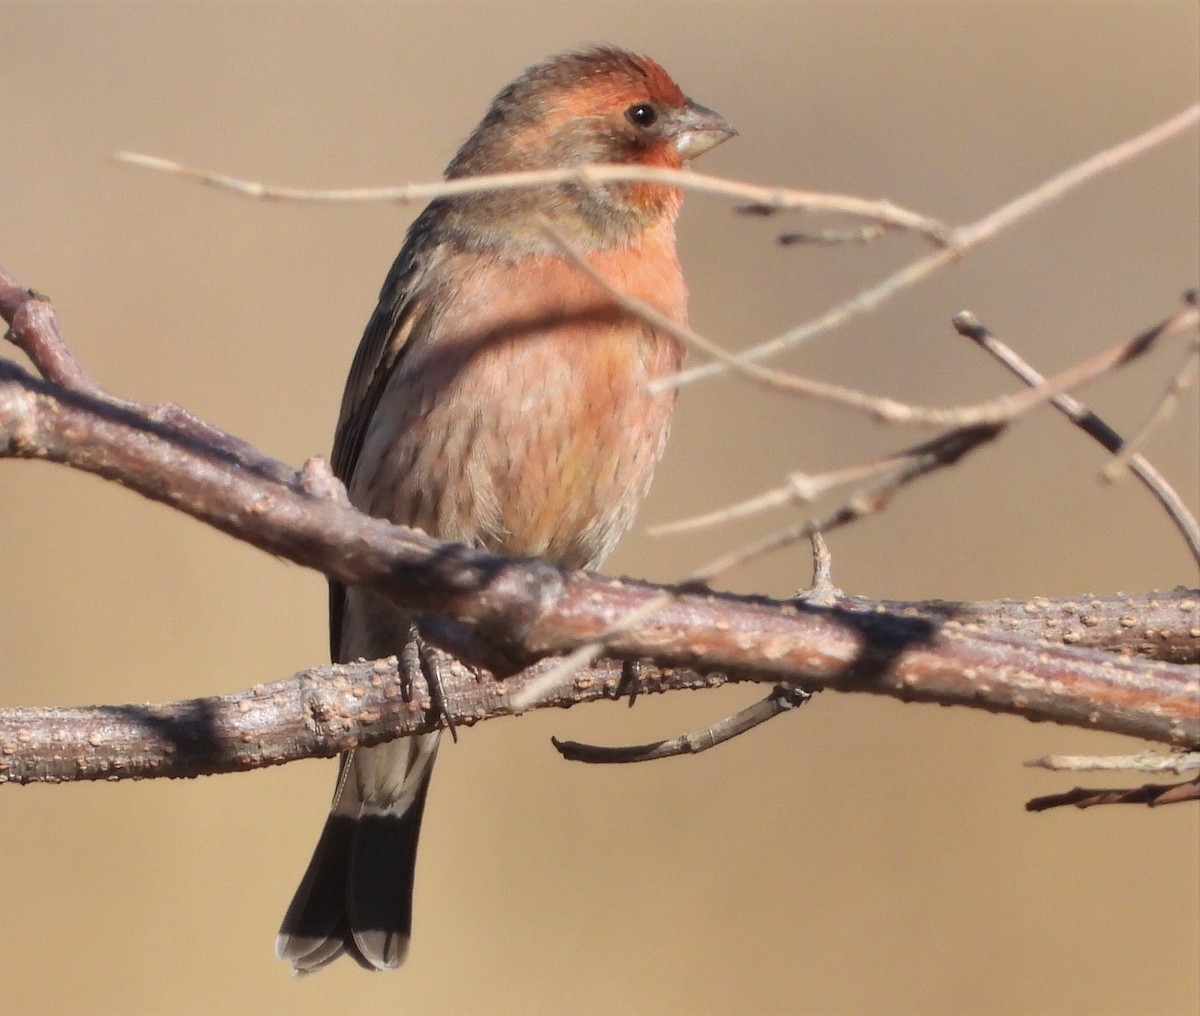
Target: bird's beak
[{"x": 697, "y": 129}]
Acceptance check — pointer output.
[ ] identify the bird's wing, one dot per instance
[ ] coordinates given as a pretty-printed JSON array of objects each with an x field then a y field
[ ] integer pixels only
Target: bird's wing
[{"x": 400, "y": 313}]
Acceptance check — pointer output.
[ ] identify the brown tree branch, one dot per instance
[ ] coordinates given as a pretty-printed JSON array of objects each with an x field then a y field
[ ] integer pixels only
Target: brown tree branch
[
  {"x": 1175, "y": 761},
  {"x": 1151, "y": 794},
  {"x": 856, "y": 646},
  {"x": 782, "y": 699},
  {"x": 759, "y": 199}
]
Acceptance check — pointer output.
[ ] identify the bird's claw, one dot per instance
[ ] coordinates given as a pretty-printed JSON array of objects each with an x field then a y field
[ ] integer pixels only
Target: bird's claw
[{"x": 420, "y": 659}]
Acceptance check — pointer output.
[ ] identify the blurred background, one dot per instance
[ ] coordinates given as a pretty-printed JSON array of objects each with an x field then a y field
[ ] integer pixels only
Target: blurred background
[{"x": 859, "y": 856}]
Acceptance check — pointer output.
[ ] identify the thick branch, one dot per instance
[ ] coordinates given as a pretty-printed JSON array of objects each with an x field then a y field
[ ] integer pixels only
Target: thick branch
[
  {"x": 311, "y": 714},
  {"x": 1157, "y": 626},
  {"x": 901, "y": 654}
]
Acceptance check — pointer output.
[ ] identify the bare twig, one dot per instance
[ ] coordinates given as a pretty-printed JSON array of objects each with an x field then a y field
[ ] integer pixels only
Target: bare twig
[
  {"x": 34, "y": 329},
  {"x": 925, "y": 458},
  {"x": 780, "y": 700},
  {"x": 962, "y": 241},
  {"x": 886, "y": 409},
  {"x": 834, "y": 237},
  {"x": 766, "y": 376},
  {"x": 987, "y": 422},
  {"x": 800, "y": 488},
  {"x": 822, "y": 589},
  {"x": 1180, "y": 381},
  {"x": 1079, "y": 414},
  {"x": 1142, "y": 762},
  {"x": 757, "y": 196},
  {"x": 1151, "y": 794},
  {"x": 983, "y": 414},
  {"x": 992, "y": 411}
]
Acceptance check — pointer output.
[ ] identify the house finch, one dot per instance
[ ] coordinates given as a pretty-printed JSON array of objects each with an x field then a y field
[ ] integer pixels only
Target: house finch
[{"x": 499, "y": 399}]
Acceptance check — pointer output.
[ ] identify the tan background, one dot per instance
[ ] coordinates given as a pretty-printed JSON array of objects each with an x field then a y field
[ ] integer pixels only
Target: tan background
[{"x": 860, "y": 857}]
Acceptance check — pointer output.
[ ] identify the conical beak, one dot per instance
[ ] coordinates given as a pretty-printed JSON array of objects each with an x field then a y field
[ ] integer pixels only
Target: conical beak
[{"x": 697, "y": 129}]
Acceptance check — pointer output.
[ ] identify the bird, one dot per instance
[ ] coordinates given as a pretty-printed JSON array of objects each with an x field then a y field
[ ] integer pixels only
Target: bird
[{"x": 500, "y": 398}]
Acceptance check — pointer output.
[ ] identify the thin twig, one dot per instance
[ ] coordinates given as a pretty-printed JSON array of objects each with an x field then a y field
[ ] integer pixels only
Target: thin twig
[
  {"x": 925, "y": 458},
  {"x": 35, "y": 332},
  {"x": 887, "y": 410},
  {"x": 781, "y": 700},
  {"x": 1180, "y": 381},
  {"x": 800, "y": 488},
  {"x": 833, "y": 237},
  {"x": 769, "y": 377},
  {"x": 1151, "y": 794},
  {"x": 962, "y": 240},
  {"x": 822, "y": 588},
  {"x": 1087, "y": 421},
  {"x": 1142, "y": 762},
  {"x": 991, "y": 411},
  {"x": 987, "y": 420},
  {"x": 594, "y": 175}
]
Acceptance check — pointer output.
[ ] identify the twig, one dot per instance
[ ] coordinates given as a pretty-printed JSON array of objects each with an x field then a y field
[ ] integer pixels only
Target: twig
[
  {"x": 34, "y": 330},
  {"x": 962, "y": 241},
  {"x": 1079, "y": 414},
  {"x": 925, "y": 458},
  {"x": 780, "y": 700},
  {"x": 822, "y": 589},
  {"x": 888, "y": 410},
  {"x": 1151, "y": 794},
  {"x": 833, "y": 237},
  {"x": 1180, "y": 381},
  {"x": 994, "y": 411},
  {"x": 758, "y": 196},
  {"x": 989, "y": 418},
  {"x": 769, "y": 377},
  {"x": 1142, "y": 762},
  {"x": 800, "y": 488}
]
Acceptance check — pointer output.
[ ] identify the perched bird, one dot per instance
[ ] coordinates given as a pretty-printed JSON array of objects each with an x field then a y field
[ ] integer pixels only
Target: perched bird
[{"x": 499, "y": 399}]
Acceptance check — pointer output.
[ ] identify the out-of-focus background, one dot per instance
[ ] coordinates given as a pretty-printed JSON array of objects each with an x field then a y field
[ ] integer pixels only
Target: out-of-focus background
[{"x": 859, "y": 856}]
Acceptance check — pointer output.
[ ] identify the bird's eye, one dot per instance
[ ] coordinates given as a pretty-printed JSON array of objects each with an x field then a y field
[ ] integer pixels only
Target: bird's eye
[{"x": 641, "y": 114}]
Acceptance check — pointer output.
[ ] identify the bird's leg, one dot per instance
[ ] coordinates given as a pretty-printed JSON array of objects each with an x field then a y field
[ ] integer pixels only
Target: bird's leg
[
  {"x": 420, "y": 659},
  {"x": 630, "y": 682}
]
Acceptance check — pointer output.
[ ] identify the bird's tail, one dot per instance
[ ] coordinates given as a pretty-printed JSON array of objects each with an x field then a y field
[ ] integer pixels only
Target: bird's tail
[{"x": 356, "y": 896}]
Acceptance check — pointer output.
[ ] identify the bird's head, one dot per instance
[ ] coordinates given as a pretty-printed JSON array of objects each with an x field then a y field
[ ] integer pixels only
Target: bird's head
[{"x": 600, "y": 105}]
